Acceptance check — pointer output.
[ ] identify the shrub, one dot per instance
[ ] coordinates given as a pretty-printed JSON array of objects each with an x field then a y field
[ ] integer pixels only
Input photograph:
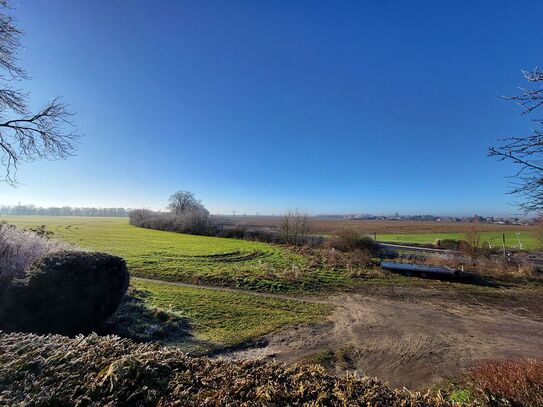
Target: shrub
[
  {"x": 261, "y": 235},
  {"x": 97, "y": 371},
  {"x": 65, "y": 292},
  {"x": 449, "y": 244},
  {"x": 19, "y": 248},
  {"x": 349, "y": 240},
  {"x": 509, "y": 382},
  {"x": 193, "y": 222},
  {"x": 238, "y": 232},
  {"x": 294, "y": 228}
]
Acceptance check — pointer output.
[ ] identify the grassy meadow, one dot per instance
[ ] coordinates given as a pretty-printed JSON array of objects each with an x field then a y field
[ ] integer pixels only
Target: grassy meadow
[
  {"x": 407, "y": 231},
  {"x": 217, "y": 318},
  {"x": 192, "y": 259},
  {"x": 528, "y": 240}
]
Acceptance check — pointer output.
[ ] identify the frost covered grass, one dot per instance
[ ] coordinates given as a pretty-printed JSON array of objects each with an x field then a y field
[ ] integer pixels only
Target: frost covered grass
[
  {"x": 19, "y": 248},
  {"x": 96, "y": 371}
]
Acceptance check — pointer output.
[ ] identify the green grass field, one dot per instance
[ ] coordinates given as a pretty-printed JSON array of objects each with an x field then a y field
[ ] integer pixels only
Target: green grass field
[
  {"x": 529, "y": 242},
  {"x": 225, "y": 318},
  {"x": 188, "y": 258},
  {"x": 217, "y": 318}
]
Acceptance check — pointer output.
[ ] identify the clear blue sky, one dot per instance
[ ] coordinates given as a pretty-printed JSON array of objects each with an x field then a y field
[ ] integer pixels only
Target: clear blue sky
[{"x": 366, "y": 106}]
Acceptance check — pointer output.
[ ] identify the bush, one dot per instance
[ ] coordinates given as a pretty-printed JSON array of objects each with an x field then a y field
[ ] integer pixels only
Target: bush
[
  {"x": 449, "y": 244},
  {"x": 261, "y": 235},
  {"x": 194, "y": 222},
  {"x": 508, "y": 382},
  {"x": 97, "y": 371},
  {"x": 294, "y": 228},
  {"x": 66, "y": 292},
  {"x": 348, "y": 240},
  {"x": 238, "y": 232},
  {"x": 19, "y": 248}
]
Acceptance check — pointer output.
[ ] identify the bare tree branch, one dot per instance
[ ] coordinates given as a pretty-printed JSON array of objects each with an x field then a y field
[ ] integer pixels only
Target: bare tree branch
[
  {"x": 526, "y": 152},
  {"x": 25, "y": 136}
]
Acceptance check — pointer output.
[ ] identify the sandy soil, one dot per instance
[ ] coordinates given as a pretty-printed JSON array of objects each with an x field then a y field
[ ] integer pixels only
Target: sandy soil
[{"x": 412, "y": 337}]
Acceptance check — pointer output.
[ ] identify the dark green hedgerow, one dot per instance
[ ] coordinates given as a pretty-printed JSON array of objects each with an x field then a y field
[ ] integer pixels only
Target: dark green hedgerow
[
  {"x": 97, "y": 371},
  {"x": 66, "y": 293}
]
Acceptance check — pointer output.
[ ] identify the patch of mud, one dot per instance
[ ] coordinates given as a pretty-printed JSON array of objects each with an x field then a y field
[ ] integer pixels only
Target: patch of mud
[{"x": 413, "y": 343}]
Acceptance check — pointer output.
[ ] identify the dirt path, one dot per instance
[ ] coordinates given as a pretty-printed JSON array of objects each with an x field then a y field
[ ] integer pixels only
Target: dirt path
[
  {"x": 411, "y": 341},
  {"x": 407, "y": 335}
]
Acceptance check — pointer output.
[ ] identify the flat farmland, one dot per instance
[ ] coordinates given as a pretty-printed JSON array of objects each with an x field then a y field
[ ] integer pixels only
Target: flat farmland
[
  {"x": 327, "y": 226},
  {"x": 188, "y": 258},
  {"x": 403, "y": 231},
  {"x": 526, "y": 238}
]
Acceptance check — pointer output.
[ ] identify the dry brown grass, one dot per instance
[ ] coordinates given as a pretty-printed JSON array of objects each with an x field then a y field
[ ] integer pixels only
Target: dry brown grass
[
  {"x": 485, "y": 266},
  {"x": 508, "y": 382},
  {"x": 98, "y": 371}
]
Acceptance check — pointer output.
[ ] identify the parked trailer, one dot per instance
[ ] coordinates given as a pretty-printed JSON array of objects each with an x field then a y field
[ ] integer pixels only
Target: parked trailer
[{"x": 421, "y": 269}]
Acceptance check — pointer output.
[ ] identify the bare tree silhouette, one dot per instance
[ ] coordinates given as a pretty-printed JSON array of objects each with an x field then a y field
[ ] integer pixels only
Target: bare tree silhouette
[
  {"x": 26, "y": 136},
  {"x": 527, "y": 152}
]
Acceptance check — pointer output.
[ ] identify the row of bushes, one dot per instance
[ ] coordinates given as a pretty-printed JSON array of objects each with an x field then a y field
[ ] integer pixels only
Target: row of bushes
[
  {"x": 50, "y": 287},
  {"x": 193, "y": 222},
  {"x": 293, "y": 230}
]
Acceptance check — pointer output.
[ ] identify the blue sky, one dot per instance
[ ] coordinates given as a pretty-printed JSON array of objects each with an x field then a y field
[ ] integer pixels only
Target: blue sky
[{"x": 329, "y": 107}]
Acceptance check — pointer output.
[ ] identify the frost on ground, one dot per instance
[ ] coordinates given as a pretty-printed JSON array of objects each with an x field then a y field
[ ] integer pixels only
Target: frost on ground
[
  {"x": 19, "y": 248},
  {"x": 96, "y": 371}
]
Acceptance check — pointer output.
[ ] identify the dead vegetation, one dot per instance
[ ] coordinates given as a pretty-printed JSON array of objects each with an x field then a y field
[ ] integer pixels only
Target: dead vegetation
[
  {"x": 19, "y": 248},
  {"x": 485, "y": 266},
  {"x": 97, "y": 371},
  {"x": 508, "y": 382}
]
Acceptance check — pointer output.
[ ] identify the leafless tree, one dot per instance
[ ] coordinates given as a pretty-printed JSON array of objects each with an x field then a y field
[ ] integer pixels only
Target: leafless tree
[
  {"x": 294, "y": 228},
  {"x": 27, "y": 136},
  {"x": 183, "y": 202},
  {"x": 527, "y": 152},
  {"x": 471, "y": 244}
]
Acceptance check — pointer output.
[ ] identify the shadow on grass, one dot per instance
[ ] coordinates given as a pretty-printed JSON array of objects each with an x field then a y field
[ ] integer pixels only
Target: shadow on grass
[{"x": 140, "y": 323}]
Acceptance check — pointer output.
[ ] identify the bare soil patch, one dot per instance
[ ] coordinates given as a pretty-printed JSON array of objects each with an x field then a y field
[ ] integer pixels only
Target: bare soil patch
[{"x": 412, "y": 336}]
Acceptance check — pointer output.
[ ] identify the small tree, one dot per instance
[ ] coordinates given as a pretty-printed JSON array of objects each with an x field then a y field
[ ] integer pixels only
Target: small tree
[
  {"x": 471, "y": 244},
  {"x": 183, "y": 202},
  {"x": 294, "y": 228}
]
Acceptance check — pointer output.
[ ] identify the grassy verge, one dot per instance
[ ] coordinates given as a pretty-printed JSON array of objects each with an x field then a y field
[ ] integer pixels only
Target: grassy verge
[
  {"x": 529, "y": 242},
  {"x": 220, "y": 318}
]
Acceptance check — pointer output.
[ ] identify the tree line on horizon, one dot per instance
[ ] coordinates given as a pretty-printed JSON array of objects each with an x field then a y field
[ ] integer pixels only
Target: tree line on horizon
[{"x": 62, "y": 211}]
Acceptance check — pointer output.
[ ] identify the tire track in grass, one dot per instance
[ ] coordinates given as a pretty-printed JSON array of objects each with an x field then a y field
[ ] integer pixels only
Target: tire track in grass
[{"x": 311, "y": 300}]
